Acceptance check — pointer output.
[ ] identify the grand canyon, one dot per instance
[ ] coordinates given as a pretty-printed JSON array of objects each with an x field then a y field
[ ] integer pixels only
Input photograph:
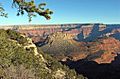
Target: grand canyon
[
  {"x": 82, "y": 32},
  {"x": 91, "y": 49}
]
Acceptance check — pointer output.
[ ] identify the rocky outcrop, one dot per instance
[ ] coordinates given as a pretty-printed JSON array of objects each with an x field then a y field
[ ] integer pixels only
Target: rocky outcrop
[{"x": 59, "y": 74}]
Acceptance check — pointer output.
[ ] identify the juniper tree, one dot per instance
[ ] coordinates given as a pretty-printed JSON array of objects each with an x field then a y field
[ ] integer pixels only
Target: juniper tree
[{"x": 30, "y": 8}]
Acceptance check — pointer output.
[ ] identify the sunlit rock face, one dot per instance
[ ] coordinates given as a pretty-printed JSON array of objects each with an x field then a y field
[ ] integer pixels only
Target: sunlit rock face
[{"x": 111, "y": 48}]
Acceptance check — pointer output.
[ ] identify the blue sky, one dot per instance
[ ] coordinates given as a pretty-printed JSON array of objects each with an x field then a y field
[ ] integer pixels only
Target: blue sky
[{"x": 69, "y": 11}]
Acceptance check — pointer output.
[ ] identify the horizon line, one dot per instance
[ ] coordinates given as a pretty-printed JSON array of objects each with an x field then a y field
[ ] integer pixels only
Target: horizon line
[{"x": 59, "y": 24}]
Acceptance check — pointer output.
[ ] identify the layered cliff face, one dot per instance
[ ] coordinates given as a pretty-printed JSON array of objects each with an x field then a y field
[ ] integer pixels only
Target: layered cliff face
[
  {"x": 83, "y": 32},
  {"x": 103, "y": 50}
]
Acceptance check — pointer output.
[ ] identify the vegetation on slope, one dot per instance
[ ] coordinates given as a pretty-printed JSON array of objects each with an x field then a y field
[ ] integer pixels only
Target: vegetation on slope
[{"x": 19, "y": 59}]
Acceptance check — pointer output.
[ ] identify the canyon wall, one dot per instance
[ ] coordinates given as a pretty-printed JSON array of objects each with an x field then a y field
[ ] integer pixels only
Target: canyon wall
[{"x": 86, "y": 32}]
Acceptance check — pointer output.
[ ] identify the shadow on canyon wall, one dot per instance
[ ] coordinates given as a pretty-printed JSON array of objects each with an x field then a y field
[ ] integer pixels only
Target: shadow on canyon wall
[
  {"x": 93, "y": 70},
  {"x": 95, "y": 33},
  {"x": 69, "y": 28},
  {"x": 116, "y": 36}
]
